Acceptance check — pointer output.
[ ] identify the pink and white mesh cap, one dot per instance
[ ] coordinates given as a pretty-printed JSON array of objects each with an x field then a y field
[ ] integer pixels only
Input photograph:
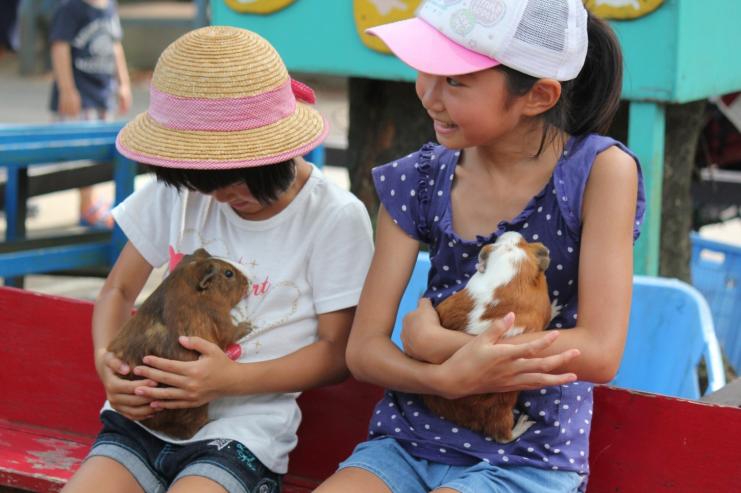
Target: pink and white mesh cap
[{"x": 541, "y": 38}]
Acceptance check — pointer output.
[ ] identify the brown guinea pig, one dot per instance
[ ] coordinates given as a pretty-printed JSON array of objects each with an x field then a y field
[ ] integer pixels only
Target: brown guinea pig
[
  {"x": 510, "y": 277},
  {"x": 194, "y": 300}
]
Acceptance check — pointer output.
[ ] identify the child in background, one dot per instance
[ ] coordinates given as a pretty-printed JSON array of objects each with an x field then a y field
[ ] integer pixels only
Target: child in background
[
  {"x": 226, "y": 143},
  {"x": 518, "y": 91},
  {"x": 8, "y": 26},
  {"x": 89, "y": 69}
]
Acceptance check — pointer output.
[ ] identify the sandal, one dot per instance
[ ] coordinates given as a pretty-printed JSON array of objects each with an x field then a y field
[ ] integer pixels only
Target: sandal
[{"x": 97, "y": 216}]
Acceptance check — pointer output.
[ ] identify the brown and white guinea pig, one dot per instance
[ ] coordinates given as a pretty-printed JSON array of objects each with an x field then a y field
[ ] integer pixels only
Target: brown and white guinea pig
[
  {"x": 195, "y": 299},
  {"x": 510, "y": 277}
]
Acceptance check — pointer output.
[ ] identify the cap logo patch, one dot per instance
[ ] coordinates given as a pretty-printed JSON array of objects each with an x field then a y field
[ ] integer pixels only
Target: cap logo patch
[
  {"x": 463, "y": 22},
  {"x": 488, "y": 12},
  {"x": 444, "y": 3}
]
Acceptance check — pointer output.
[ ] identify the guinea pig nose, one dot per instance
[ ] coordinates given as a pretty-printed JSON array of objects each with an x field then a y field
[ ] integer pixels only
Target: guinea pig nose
[{"x": 228, "y": 273}]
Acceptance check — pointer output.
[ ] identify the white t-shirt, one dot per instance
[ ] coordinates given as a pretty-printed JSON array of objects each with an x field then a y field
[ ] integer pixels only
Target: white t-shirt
[{"x": 309, "y": 259}]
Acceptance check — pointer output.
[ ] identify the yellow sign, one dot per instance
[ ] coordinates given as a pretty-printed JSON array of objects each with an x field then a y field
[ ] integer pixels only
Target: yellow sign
[
  {"x": 257, "y": 6},
  {"x": 622, "y": 9},
  {"x": 370, "y": 13}
]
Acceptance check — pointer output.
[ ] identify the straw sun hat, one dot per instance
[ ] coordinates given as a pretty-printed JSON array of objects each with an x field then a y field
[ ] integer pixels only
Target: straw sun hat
[{"x": 222, "y": 98}]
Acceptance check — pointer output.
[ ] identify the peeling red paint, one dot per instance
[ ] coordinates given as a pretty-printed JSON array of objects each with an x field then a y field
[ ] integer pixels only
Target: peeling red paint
[
  {"x": 37, "y": 459},
  {"x": 57, "y": 455}
]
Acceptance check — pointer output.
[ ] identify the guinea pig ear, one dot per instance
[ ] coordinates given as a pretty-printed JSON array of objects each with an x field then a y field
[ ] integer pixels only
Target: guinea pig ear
[
  {"x": 206, "y": 278},
  {"x": 192, "y": 257},
  {"x": 201, "y": 253},
  {"x": 543, "y": 256}
]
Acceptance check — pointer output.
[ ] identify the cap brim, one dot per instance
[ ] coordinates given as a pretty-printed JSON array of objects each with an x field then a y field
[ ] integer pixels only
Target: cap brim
[{"x": 425, "y": 49}]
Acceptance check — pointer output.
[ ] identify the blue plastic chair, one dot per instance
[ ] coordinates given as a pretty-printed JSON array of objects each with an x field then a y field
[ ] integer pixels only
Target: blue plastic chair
[
  {"x": 716, "y": 273},
  {"x": 670, "y": 330},
  {"x": 317, "y": 156}
]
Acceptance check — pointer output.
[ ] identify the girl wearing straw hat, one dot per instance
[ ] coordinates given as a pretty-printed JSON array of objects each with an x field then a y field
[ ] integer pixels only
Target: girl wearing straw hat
[
  {"x": 224, "y": 134},
  {"x": 518, "y": 91}
]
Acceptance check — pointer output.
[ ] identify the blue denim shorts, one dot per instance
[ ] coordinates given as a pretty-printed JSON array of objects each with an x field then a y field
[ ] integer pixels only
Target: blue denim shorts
[
  {"x": 403, "y": 473},
  {"x": 157, "y": 464}
]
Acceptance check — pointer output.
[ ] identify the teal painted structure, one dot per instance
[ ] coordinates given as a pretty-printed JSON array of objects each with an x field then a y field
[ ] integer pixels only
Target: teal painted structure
[
  {"x": 684, "y": 51},
  {"x": 316, "y": 36}
]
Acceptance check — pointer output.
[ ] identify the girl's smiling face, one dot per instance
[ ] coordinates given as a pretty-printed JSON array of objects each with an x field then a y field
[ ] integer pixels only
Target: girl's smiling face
[{"x": 468, "y": 110}]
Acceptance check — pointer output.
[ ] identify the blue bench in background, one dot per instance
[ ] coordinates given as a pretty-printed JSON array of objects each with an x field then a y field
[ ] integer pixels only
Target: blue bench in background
[{"x": 25, "y": 146}]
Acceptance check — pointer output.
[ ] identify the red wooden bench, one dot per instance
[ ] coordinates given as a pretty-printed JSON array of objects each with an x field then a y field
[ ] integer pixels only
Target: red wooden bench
[{"x": 51, "y": 398}]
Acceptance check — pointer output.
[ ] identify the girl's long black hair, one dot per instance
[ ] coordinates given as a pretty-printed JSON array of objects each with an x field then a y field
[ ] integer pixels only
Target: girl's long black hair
[{"x": 589, "y": 102}]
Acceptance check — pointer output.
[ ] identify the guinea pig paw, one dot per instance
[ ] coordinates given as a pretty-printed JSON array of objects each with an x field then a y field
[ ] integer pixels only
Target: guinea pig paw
[
  {"x": 555, "y": 309},
  {"x": 523, "y": 424}
]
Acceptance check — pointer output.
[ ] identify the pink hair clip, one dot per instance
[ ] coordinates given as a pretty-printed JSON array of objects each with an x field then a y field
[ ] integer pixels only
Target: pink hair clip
[{"x": 175, "y": 258}]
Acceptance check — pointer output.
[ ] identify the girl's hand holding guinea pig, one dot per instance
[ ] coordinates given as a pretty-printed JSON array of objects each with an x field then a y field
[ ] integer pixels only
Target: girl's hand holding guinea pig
[
  {"x": 120, "y": 392},
  {"x": 188, "y": 383},
  {"x": 467, "y": 365},
  {"x": 488, "y": 364},
  {"x": 423, "y": 337}
]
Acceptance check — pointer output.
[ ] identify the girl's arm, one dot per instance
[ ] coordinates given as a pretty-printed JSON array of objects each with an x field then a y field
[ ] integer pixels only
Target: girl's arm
[
  {"x": 215, "y": 375},
  {"x": 112, "y": 309},
  {"x": 124, "y": 83},
  {"x": 425, "y": 339},
  {"x": 605, "y": 284}
]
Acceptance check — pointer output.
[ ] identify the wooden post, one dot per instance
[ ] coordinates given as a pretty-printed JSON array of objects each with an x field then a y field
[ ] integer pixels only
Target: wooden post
[
  {"x": 684, "y": 123},
  {"x": 387, "y": 121},
  {"x": 16, "y": 207}
]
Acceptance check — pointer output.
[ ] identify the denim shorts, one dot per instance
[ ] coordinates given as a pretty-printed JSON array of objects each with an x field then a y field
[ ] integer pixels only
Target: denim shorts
[
  {"x": 404, "y": 473},
  {"x": 157, "y": 464}
]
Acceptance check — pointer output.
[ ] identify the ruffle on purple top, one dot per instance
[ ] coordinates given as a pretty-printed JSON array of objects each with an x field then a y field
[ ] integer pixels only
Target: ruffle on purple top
[{"x": 572, "y": 173}]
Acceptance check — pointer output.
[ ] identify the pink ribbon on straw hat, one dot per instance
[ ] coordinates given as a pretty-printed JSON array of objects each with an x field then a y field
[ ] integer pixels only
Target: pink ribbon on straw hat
[
  {"x": 228, "y": 114},
  {"x": 302, "y": 92}
]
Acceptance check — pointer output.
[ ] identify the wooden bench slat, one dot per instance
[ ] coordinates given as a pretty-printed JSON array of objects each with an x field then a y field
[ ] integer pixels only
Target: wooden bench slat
[
  {"x": 49, "y": 377},
  {"x": 644, "y": 442}
]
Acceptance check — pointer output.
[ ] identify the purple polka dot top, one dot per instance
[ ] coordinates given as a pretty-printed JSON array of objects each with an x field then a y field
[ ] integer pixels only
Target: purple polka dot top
[{"x": 415, "y": 190}]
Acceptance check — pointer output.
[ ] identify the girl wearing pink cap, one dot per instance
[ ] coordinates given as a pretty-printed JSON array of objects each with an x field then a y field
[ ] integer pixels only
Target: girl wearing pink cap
[
  {"x": 224, "y": 134},
  {"x": 518, "y": 91}
]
